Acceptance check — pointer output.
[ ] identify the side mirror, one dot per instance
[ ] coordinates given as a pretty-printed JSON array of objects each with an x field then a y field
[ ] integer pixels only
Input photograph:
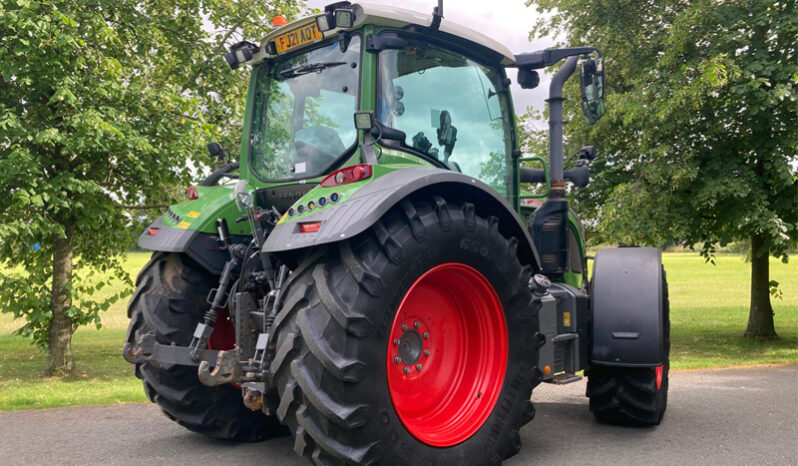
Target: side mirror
[
  {"x": 244, "y": 198},
  {"x": 592, "y": 81},
  {"x": 446, "y": 132},
  {"x": 587, "y": 153},
  {"x": 215, "y": 150}
]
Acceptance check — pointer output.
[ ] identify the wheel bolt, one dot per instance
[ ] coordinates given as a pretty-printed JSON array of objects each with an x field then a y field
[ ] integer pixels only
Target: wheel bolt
[
  {"x": 426, "y": 334},
  {"x": 427, "y": 352},
  {"x": 418, "y": 367},
  {"x": 406, "y": 370},
  {"x": 396, "y": 360},
  {"x": 416, "y": 324},
  {"x": 396, "y": 341},
  {"x": 404, "y": 327}
]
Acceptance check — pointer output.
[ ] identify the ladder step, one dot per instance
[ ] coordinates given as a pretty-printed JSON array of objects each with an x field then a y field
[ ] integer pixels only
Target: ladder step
[{"x": 563, "y": 379}]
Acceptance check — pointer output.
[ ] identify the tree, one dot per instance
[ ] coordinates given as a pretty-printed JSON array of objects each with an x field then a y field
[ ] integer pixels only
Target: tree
[
  {"x": 700, "y": 142},
  {"x": 104, "y": 105}
]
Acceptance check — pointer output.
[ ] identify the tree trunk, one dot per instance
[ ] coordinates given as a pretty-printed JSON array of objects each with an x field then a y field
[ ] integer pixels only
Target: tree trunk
[
  {"x": 760, "y": 316},
  {"x": 59, "y": 360}
]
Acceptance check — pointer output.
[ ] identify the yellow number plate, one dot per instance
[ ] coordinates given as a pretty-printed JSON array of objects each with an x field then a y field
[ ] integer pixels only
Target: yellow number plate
[{"x": 298, "y": 37}]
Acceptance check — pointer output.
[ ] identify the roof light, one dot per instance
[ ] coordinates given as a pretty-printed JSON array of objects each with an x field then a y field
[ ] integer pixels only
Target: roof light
[
  {"x": 323, "y": 23},
  {"x": 240, "y": 53},
  {"x": 344, "y": 18},
  {"x": 310, "y": 227},
  {"x": 347, "y": 175},
  {"x": 191, "y": 193},
  {"x": 335, "y": 17},
  {"x": 279, "y": 21}
]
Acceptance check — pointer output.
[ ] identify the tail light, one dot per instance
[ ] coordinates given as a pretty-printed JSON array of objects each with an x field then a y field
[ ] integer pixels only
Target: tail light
[
  {"x": 347, "y": 175},
  {"x": 310, "y": 227}
]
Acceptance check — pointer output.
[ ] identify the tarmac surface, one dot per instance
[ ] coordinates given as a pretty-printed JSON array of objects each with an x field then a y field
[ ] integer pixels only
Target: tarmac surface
[{"x": 724, "y": 417}]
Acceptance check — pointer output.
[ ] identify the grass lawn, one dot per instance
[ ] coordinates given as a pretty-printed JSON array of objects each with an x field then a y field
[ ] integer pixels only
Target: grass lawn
[{"x": 709, "y": 311}]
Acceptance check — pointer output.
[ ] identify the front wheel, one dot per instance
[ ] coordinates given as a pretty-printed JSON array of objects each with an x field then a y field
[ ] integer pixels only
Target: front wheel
[
  {"x": 632, "y": 396},
  {"x": 409, "y": 344}
]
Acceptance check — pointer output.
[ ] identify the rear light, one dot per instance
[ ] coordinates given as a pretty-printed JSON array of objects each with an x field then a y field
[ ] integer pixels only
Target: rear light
[
  {"x": 152, "y": 231},
  {"x": 191, "y": 193},
  {"x": 311, "y": 227},
  {"x": 347, "y": 175}
]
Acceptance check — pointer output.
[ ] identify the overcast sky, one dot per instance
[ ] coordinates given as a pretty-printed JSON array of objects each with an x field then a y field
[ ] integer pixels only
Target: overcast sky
[{"x": 506, "y": 21}]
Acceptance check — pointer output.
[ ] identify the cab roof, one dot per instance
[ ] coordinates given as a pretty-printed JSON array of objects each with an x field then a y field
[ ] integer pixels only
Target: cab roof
[{"x": 387, "y": 16}]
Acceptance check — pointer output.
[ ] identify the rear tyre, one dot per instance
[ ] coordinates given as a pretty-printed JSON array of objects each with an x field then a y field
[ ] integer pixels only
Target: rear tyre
[
  {"x": 411, "y": 343},
  {"x": 632, "y": 396},
  {"x": 170, "y": 298}
]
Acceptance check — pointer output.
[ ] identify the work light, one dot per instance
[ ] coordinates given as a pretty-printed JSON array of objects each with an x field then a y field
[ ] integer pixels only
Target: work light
[
  {"x": 344, "y": 18},
  {"x": 364, "y": 120}
]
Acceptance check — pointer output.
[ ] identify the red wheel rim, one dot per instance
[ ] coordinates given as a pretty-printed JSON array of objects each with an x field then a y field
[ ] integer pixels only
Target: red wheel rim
[{"x": 447, "y": 355}]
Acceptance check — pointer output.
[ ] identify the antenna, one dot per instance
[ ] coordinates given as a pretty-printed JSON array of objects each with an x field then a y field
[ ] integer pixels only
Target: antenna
[{"x": 437, "y": 15}]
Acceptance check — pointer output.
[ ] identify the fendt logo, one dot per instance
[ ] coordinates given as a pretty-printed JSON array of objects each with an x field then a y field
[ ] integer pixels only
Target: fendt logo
[{"x": 287, "y": 194}]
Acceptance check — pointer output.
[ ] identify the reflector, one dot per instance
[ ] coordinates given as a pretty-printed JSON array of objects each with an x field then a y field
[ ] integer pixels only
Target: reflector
[{"x": 311, "y": 227}]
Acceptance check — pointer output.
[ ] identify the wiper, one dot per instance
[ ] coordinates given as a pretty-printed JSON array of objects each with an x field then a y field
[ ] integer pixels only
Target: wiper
[{"x": 310, "y": 68}]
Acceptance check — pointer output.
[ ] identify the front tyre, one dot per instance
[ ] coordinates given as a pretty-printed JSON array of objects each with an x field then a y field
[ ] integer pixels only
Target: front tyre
[
  {"x": 632, "y": 396},
  {"x": 409, "y": 344}
]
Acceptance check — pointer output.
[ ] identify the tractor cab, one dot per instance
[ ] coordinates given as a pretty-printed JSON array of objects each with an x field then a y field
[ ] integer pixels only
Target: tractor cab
[{"x": 309, "y": 77}]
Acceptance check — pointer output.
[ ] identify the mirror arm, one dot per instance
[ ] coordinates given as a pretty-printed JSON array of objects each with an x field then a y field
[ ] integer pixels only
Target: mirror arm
[
  {"x": 367, "y": 153},
  {"x": 544, "y": 58}
]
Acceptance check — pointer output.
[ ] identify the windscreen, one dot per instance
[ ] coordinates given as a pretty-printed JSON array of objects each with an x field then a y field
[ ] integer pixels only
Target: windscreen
[{"x": 302, "y": 119}]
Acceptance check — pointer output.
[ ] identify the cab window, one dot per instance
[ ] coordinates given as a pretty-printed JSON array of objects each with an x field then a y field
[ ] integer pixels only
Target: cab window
[{"x": 450, "y": 108}]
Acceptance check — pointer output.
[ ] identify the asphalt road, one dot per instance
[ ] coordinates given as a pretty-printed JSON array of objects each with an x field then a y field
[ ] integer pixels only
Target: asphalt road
[{"x": 724, "y": 417}]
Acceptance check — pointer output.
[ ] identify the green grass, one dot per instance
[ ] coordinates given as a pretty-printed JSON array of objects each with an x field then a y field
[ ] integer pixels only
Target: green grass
[
  {"x": 709, "y": 311},
  {"x": 102, "y": 376}
]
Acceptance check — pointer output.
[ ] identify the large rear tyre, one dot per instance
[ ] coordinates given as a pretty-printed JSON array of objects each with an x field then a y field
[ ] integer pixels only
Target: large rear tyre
[
  {"x": 632, "y": 396},
  {"x": 412, "y": 343},
  {"x": 170, "y": 298}
]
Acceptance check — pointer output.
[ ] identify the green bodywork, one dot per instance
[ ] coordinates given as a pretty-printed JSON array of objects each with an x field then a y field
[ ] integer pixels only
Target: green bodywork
[{"x": 218, "y": 201}]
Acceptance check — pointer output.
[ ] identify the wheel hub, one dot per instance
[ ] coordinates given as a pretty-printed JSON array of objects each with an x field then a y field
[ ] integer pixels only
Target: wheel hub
[{"x": 411, "y": 347}]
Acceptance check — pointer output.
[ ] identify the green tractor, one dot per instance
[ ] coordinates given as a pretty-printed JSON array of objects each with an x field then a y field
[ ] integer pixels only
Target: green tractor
[{"x": 386, "y": 281}]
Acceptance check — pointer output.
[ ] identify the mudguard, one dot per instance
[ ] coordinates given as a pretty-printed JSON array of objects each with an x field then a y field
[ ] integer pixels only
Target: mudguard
[
  {"x": 363, "y": 208},
  {"x": 190, "y": 228},
  {"x": 204, "y": 248},
  {"x": 627, "y": 308}
]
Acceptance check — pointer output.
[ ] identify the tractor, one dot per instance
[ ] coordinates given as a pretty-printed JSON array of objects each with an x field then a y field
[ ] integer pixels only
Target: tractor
[{"x": 383, "y": 275}]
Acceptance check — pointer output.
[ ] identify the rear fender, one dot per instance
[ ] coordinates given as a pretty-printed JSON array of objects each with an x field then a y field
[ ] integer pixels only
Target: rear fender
[
  {"x": 627, "y": 308},
  {"x": 190, "y": 228},
  {"x": 364, "y": 207}
]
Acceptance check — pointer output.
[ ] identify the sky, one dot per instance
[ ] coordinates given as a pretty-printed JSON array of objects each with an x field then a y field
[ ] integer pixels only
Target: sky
[{"x": 506, "y": 21}]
